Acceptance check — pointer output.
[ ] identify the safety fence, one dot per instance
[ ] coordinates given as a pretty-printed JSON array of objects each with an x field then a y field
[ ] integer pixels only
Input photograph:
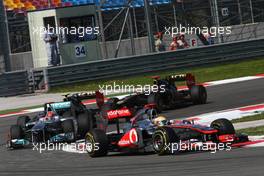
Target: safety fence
[
  {"x": 127, "y": 66},
  {"x": 14, "y": 83},
  {"x": 21, "y": 82}
]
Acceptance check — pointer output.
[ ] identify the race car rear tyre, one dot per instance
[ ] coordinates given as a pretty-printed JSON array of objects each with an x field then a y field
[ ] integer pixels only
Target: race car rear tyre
[
  {"x": 85, "y": 123},
  {"x": 156, "y": 99},
  {"x": 16, "y": 132},
  {"x": 198, "y": 94},
  {"x": 223, "y": 126},
  {"x": 163, "y": 139},
  {"x": 22, "y": 121},
  {"x": 68, "y": 128},
  {"x": 67, "y": 114},
  {"x": 96, "y": 143}
]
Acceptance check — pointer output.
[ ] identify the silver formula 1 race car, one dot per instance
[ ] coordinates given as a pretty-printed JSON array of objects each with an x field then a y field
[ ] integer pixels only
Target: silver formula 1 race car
[
  {"x": 63, "y": 121},
  {"x": 145, "y": 131}
]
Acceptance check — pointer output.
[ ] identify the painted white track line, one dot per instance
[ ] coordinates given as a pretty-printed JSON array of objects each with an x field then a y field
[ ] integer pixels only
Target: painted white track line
[{"x": 230, "y": 114}]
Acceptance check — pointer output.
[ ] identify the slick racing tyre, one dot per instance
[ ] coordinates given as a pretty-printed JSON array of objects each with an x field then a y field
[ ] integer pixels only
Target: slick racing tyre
[
  {"x": 68, "y": 129},
  {"x": 22, "y": 121},
  {"x": 16, "y": 132},
  {"x": 223, "y": 126},
  {"x": 198, "y": 94},
  {"x": 96, "y": 143},
  {"x": 67, "y": 114},
  {"x": 163, "y": 139},
  {"x": 156, "y": 99},
  {"x": 85, "y": 123}
]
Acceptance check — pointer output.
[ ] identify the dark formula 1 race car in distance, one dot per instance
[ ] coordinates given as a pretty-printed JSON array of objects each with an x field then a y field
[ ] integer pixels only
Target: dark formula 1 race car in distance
[
  {"x": 146, "y": 132},
  {"x": 63, "y": 121},
  {"x": 169, "y": 96}
]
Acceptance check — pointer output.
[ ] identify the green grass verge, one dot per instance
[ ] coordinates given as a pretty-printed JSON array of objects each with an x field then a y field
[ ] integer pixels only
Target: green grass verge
[
  {"x": 203, "y": 74},
  {"x": 3, "y": 112},
  {"x": 249, "y": 118},
  {"x": 255, "y": 131}
]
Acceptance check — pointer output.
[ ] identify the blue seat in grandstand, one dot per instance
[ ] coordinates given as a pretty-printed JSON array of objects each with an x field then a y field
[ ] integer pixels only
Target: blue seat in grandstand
[{"x": 115, "y": 4}]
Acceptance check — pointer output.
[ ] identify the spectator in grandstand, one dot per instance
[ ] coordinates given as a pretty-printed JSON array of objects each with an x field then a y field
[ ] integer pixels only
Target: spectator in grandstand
[
  {"x": 209, "y": 38},
  {"x": 88, "y": 36},
  {"x": 63, "y": 32},
  {"x": 174, "y": 44},
  {"x": 50, "y": 38},
  {"x": 159, "y": 44},
  {"x": 182, "y": 42}
]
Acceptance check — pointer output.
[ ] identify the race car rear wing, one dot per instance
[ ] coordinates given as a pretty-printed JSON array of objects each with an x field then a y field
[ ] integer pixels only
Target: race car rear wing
[
  {"x": 80, "y": 96},
  {"x": 188, "y": 77}
]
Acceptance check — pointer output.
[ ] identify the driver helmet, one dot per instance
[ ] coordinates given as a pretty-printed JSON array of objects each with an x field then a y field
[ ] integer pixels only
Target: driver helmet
[
  {"x": 160, "y": 121},
  {"x": 50, "y": 115},
  {"x": 151, "y": 113}
]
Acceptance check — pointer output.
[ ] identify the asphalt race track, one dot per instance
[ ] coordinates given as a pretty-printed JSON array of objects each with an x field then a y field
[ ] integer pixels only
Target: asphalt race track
[
  {"x": 246, "y": 161},
  {"x": 236, "y": 162}
]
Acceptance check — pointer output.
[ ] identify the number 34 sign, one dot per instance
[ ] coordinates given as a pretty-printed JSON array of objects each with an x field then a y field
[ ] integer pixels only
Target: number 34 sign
[{"x": 80, "y": 51}]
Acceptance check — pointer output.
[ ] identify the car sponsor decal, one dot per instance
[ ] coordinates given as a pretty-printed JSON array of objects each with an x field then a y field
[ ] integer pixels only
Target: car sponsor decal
[
  {"x": 61, "y": 105},
  {"x": 124, "y": 112}
]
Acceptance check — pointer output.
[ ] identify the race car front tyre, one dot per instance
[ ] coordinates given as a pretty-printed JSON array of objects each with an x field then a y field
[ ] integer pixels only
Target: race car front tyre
[
  {"x": 22, "y": 121},
  {"x": 163, "y": 140},
  {"x": 16, "y": 132},
  {"x": 198, "y": 94},
  {"x": 223, "y": 126},
  {"x": 96, "y": 143},
  {"x": 68, "y": 130},
  {"x": 85, "y": 123}
]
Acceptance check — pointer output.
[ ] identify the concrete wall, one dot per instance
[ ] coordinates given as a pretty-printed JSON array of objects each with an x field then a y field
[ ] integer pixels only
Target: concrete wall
[
  {"x": 35, "y": 21},
  {"x": 2, "y": 36},
  {"x": 245, "y": 32},
  {"x": 239, "y": 32},
  {"x": 2, "y": 64},
  {"x": 21, "y": 61},
  {"x": 141, "y": 45}
]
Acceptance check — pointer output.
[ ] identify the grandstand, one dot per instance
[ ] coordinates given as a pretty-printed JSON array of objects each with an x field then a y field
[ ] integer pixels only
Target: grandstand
[
  {"x": 163, "y": 13},
  {"x": 21, "y": 6}
]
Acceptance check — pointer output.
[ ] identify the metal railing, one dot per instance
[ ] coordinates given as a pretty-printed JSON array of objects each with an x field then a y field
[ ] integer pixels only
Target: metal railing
[
  {"x": 21, "y": 82},
  {"x": 14, "y": 83},
  {"x": 135, "y": 65}
]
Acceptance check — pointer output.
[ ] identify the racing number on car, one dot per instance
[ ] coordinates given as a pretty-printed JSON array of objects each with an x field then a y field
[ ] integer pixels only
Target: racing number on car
[{"x": 80, "y": 51}]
